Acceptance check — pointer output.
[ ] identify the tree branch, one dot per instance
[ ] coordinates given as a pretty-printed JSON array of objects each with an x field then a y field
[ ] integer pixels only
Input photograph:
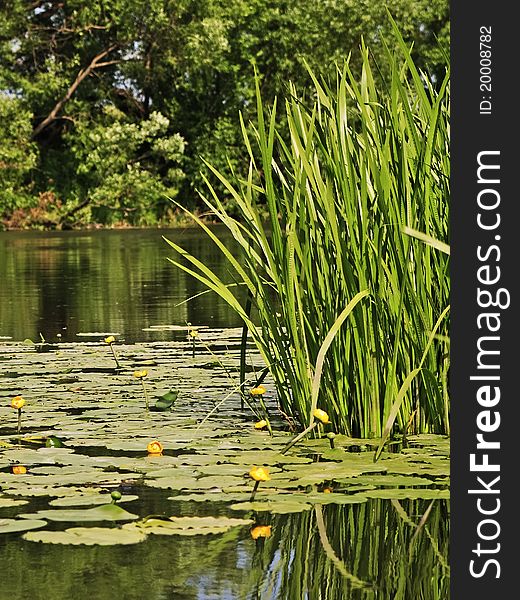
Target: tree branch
[{"x": 95, "y": 63}]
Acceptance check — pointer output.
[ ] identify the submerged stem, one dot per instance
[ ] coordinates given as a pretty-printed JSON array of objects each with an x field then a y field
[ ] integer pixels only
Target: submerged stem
[
  {"x": 145, "y": 396},
  {"x": 115, "y": 357},
  {"x": 257, "y": 483}
]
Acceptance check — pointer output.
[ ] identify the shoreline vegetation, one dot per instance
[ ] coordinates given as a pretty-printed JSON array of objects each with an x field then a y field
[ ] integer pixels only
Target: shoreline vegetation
[
  {"x": 111, "y": 108},
  {"x": 35, "y": 222}
]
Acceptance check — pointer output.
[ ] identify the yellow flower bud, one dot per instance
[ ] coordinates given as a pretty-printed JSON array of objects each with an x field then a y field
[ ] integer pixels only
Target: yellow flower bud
[
  {"x": 140, "y": 374},
  {"x": 155, "y": 448},
  {"x": 321, "y": 415},
  {"x": 17, "y": 402},
  {"x": 260, "y": 474},
  {"x": 110, "y": 339},
  {"x": 258, "y": 391},
  {"x": 261, "y": 424},
  {"x": 261, "y": 531}
]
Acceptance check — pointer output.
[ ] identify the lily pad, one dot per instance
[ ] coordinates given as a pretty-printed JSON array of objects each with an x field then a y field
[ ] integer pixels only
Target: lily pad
[
  {"x": 105, "y": 512},
  {"x": 8, "y": 502},
  {"x": 165, "y": 402},
  {"x": 401, "y": 493},
  {"x": 277, "y": 506},
  {"x": 387, "y": 480},
  {"x": 188, "y": 525},
  {"x": 15, "y": 525},
  {"x": 89, "y": 536},
  {"x": 90, "y": 500}
]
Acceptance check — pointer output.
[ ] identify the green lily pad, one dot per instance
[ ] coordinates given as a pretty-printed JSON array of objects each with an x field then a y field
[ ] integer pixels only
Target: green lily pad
[
  {"x": 278, "y": 506},
  {"x": 188, "y": 525},
  {"x": 224, "y": 469},
  {"x": 89, "y": 536},
  {"x": 8, "y": 502},
  {"x": 44, "y": 490},
  {"x": 90, "y": 500},
  {"x": 53, "y": 442},
  {"x": 15, "y": 525},
  {"x": 226, "y": 481},
  {"x": 387, "y": 480},
  {"x": 165, "y": 402},
  {"x": 105, "y": 512},
  {"x": 401, "y": 493},
  {"x": 212, "y": 496}
]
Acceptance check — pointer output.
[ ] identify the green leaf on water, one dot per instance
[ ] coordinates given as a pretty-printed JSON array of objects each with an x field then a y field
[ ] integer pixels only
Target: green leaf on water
[
  {"x": 90, "y": 499},
  {"x": 106, "y": 512},
  {"x": 8, "y": 502},
  {"x": 277, "y": 506},
  {"x": 90, "y": 536},
  {"x": 187, "y": 525},
  {"x": 401, "y": 493},
  {"x": 53, "y": 442},
  {"x": 165, "y": 402},
  {"x": 15, "y": 525}
]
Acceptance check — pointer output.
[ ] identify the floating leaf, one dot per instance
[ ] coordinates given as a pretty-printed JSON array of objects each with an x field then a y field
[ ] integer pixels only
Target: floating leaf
[
  {"x": 15, "y": 525},
  {"x": 8, "y": 502},
  {"x": 90, "y": 536},
  {"x": 165, "y": 402},
  {"x": 278, "y": 506},
  {"x": 401, "y": 493},
  {"x": 90, "y": 500},
  {"x": 187, "y": 525},
  {"x": 106, "y": 512}
]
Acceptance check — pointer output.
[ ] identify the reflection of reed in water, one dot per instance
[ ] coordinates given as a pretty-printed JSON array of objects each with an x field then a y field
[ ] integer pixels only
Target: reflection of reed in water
[{"x": 376, "y": 550}]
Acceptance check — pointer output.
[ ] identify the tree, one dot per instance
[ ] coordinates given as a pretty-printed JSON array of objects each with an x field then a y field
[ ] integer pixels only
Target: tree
[{"x": 75, "y": 68}]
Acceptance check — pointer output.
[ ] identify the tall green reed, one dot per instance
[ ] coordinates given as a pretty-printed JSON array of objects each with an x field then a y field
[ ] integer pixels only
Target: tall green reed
[{"x": 352, "y": 310}]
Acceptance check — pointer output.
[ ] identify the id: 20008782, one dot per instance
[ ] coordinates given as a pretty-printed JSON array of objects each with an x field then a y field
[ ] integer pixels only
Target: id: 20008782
[{"x": 485, "y": 70}]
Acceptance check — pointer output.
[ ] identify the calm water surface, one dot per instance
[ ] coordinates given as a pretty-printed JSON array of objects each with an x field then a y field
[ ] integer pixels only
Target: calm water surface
[
  {"x": 104, "y": 281},
  {"x": 367, "y": 552},
  {"x": 120, "y": 281}
]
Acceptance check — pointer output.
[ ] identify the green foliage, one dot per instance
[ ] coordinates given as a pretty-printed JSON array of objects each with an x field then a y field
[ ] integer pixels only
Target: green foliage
[
  {"x": 348, "y": 304},
  {"x": 65, "y": 64},
  {"x": 18, "y": 154},
  {"x": 126, "y": 169}
]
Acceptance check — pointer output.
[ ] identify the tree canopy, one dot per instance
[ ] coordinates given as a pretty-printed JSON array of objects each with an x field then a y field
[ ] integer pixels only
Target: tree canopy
[{"x": 108, "y": 106}]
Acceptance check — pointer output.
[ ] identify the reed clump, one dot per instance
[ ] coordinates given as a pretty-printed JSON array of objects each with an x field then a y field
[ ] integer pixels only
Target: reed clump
[{"x": 352, "y": 310}]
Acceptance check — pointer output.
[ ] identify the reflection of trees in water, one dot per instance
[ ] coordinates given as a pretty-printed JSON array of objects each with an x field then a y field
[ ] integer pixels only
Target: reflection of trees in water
[{"x": 101, "y": 281}]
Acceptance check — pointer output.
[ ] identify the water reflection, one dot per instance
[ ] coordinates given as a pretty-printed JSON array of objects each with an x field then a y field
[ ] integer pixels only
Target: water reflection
[
  {"x": 365, "y": 552},
  {"x": 118, "y": 281}
]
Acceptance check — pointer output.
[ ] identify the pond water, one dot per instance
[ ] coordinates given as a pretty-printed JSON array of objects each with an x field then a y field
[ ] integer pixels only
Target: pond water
[
  {"x": 105, "y": 280},
  {"x": 329, "y": 525}
]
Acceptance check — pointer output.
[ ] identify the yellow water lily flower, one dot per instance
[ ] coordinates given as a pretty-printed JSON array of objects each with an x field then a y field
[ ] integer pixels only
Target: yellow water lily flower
[
  {"x": 327, "y": 490},
  {"x": 258, "y": 391},
  {"x": 110, "y": 339},
  {"x": 140, "y": 374},
  {"x": 19, "y": 470},
  {"x": 321, "y": 415},
  {"x": 17, "y": 402},
  {"x": 261, "y": 531},
  {"x": 193, "y": 333},
  {"x": 261, "y": 424},
  {"x": 155, "y": 448},
  {"x": 260, "y": 474}
]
